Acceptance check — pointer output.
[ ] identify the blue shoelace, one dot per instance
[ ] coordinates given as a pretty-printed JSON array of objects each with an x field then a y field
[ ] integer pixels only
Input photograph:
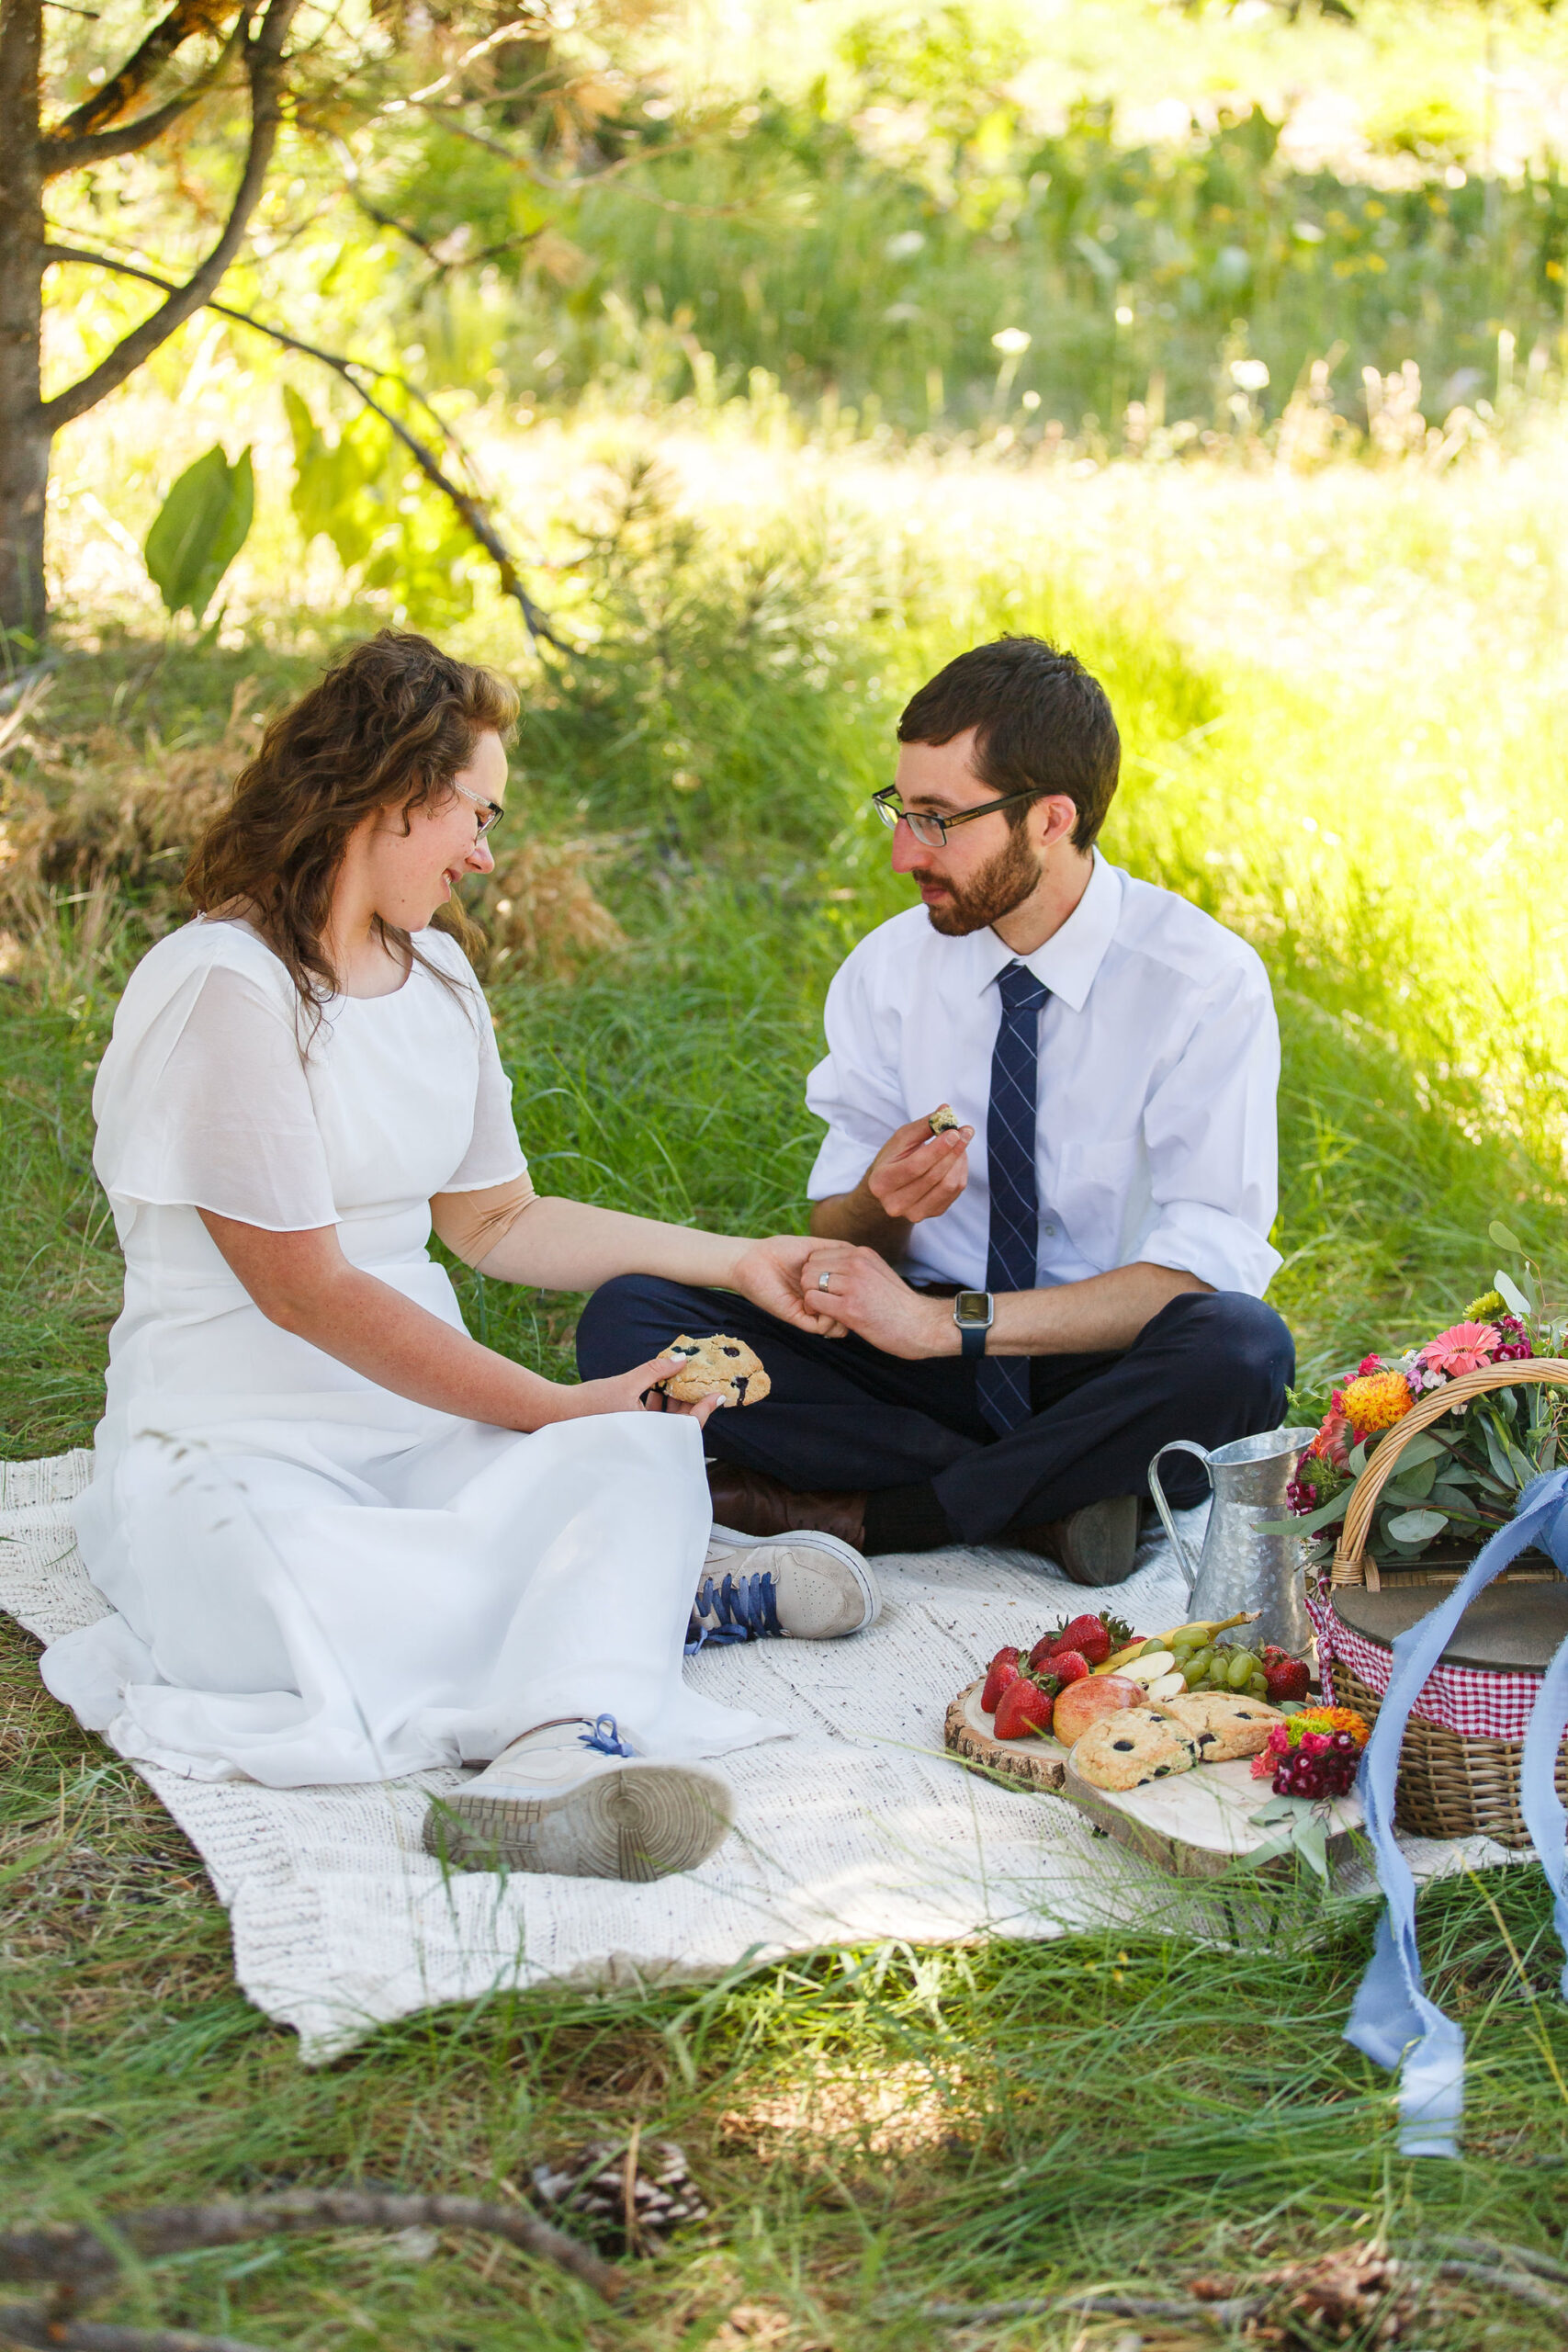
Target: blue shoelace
[
  {"x": 742, "y": 1609},
  {"x": 605, "y": 1738}
]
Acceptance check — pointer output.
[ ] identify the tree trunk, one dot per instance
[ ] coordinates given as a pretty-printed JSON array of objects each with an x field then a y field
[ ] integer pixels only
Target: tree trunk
[{"x": 25, "y": 431}]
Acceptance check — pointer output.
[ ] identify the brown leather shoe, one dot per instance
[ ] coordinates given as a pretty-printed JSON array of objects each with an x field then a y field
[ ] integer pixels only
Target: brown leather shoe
[
  {"x": 754, "y": 1504},
  {"x": 1094, "y": 1546}
]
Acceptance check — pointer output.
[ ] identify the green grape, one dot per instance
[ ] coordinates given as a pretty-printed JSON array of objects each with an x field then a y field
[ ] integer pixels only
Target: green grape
[
  {"x": 1259, "y": 1687},
  {"x": 1196, "y": 1667},
  {"x": 1243, "y": 1667}
]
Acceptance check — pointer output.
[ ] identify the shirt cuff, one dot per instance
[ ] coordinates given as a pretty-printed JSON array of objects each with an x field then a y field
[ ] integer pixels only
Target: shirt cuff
[{"x": 1220, "y": 1249}]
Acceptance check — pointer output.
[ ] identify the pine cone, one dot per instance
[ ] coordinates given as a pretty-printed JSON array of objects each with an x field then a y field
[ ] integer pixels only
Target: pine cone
[{"x": 587, "y": 2191}]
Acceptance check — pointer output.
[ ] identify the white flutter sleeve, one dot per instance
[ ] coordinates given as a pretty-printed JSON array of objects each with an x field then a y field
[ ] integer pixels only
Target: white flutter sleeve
[
  {"x": 494, "y": 1155},
  {"x": 202, "y": 1103}
]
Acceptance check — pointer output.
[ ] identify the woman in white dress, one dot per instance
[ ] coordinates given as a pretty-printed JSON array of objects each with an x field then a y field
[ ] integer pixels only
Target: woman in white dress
[{"x": 343, "y": 1540}]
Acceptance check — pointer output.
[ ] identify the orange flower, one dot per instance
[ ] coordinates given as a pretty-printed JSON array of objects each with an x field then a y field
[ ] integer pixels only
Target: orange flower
[{"x": 1376, "y": 1401}]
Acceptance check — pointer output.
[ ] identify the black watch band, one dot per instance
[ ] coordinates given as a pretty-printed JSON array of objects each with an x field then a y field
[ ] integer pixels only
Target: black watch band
[{"x": 974, "y": 1312}]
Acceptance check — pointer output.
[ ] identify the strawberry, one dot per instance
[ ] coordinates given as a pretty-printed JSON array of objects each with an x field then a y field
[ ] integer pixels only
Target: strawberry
[
  {"x": 1094, "y": 1639},
  {"x": 1287, "y": 1676},
  {"x": 1068, "y": 1666},
  {"x": 1024, "y": 1708},
  {"x": 1003, "y": 1669}
]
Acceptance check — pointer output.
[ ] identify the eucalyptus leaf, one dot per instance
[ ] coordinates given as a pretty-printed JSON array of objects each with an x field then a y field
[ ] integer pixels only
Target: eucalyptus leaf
[
  {"x": 1516, "y": 1300},
  {"x": 1498, "y": 1232},
  {"x": 1412, "y": 1484},
  {"x": 1422, "y": 1448},
  {"x": 1310, "y": 1840},
  {"x": 1277, "y": 1849},
  {"x": 1417, "y": 1526},
  {"x": 199, "y": 529},
  {"x": 1282, "y": 1809},
  {"x": 1498, "y": 1452},
  {"x": 1308, "y": 1524}
]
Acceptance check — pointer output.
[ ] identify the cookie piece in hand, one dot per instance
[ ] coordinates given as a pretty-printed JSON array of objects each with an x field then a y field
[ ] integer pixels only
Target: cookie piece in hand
[
  {"x": 1127, "y": 1750},
  {"x": 943, "y": 1117},
  {"x": 1224, "y": 1725},
  {"x": 715, "y": 1367}
]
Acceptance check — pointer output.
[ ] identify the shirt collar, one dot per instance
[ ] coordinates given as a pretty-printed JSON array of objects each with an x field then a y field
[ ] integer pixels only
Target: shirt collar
[{"x": 1070, "y": 958}]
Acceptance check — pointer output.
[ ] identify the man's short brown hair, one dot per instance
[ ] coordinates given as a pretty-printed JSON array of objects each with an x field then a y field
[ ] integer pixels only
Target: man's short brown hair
[{"x": 1042, "y": 724}]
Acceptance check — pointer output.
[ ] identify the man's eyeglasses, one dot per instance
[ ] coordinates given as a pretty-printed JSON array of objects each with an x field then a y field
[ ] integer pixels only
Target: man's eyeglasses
[
  {"x": 491, "y": 811},
  {"x": 932, "y": 831}
]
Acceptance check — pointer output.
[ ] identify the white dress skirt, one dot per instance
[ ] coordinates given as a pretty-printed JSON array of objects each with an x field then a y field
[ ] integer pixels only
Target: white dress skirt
[{"x": 313, "y": 1579}]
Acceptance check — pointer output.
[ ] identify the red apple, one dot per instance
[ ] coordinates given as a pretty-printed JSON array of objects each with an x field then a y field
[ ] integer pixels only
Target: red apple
[{"x": 1081, "y": 1703}]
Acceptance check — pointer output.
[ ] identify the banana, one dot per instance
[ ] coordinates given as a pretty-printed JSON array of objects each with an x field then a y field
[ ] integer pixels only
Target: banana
[{"x": 1210, "y": 1626}]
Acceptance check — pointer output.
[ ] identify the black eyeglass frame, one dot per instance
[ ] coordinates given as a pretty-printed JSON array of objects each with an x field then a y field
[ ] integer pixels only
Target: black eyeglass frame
[{"x": 891, "y": 816}]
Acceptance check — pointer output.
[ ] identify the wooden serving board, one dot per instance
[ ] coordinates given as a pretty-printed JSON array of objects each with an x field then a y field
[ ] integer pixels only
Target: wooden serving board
[
  {"x": 970, "y": 1733},
  {"x": 1198, "y": 1824}
]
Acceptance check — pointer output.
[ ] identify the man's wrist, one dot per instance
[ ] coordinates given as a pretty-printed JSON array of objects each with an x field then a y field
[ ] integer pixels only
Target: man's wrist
[{"x": 946, "y": 1338}]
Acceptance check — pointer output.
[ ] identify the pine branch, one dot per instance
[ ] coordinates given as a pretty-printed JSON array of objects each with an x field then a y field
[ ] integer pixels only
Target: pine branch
[
  {"x": 183, "y": 21},
  {"x": 265, "y": 64},
  {"x": 470, "y": 508},
  {"x": 61, "y": 153}
]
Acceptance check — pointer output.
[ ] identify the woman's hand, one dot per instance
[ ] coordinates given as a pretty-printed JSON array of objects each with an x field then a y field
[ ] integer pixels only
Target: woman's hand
[{"x": 631, "y": 1392}]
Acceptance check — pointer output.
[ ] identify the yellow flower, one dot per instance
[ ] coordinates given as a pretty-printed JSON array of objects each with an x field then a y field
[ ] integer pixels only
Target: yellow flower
[{"x": 1376, "y": 1401}]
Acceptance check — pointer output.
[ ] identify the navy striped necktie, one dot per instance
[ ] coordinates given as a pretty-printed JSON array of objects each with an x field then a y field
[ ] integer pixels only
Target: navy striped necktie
[{"x": 1011, "y": 1256}]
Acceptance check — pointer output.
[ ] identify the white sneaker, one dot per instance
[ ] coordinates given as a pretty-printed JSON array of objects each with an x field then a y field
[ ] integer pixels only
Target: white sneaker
[
  {"x": 572, "y": 1798},
  {"x": 807, "y": 1586}
]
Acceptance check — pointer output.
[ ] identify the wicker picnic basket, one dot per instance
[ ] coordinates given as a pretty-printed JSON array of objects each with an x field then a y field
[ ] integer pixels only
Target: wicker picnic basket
[{"x": 1451, "y": 1785}]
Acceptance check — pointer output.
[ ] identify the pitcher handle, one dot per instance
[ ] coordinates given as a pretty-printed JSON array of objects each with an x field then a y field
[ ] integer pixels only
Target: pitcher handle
[{"x": 1178, "y": 1445}]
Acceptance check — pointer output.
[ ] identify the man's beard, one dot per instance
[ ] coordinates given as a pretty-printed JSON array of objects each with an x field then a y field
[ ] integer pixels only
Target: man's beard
[{"x": 994, "y": 891}]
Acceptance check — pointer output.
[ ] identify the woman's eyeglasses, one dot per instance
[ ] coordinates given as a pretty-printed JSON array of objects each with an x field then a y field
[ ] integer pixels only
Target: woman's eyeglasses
[
  {"x": 490, "y": 810},
  {"x": 932, "y": 831}
]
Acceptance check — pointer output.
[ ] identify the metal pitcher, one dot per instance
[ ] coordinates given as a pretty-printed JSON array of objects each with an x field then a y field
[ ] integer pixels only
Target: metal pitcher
[{"x": 1245, "y": 1564}]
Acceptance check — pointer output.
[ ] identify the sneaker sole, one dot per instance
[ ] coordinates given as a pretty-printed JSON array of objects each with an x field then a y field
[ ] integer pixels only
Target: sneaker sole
[
  {"x": 643, "y": 1822},
  {"x": 812, "y": 1539}
]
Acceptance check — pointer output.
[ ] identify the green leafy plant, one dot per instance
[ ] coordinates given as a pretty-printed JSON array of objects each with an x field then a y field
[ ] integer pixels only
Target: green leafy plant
[
  {"x": 199, "y": 529},
  {"x": 1461, "y": 1479},
  {"x": 360, "y": 492}
]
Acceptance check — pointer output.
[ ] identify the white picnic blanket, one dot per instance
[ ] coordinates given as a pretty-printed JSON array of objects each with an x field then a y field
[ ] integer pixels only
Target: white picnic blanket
[{"x": 859, "y": 1829}]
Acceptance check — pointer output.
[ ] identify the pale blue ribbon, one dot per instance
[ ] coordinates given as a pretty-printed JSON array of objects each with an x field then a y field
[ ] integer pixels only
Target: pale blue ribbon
[{"x": 1393, "y": 2020}]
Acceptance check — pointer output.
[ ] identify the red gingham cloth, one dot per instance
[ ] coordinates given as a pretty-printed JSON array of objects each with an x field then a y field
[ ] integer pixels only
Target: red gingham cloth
[{"x": 1468, "y": 1701}]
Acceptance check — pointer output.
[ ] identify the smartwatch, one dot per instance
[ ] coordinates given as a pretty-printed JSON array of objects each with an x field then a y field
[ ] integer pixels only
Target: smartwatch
[{"x": 974, "y": 1311}]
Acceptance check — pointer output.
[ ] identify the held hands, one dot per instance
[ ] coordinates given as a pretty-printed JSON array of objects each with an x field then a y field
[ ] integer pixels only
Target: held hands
[
  {"x": 918, "y": 1175},
  {"x": 863, "y": 1294}
]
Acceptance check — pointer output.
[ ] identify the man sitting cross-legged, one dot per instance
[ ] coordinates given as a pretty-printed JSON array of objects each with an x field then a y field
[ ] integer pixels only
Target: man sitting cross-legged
[{"x": 1019, "y": 1310}]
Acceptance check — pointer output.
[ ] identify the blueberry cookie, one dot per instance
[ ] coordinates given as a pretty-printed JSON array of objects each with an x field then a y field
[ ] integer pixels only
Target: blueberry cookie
[
  {"x": 1137, "y": 1746},
  {"x": 715, "y": 1367},
  {"x": 1225, "y": 1727}
]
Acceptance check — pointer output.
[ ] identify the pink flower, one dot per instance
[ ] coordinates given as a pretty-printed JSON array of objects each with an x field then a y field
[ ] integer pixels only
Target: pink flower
[
  {"x": 1369, "y": 1364},
  {"x": 1466, "y": 1347}
]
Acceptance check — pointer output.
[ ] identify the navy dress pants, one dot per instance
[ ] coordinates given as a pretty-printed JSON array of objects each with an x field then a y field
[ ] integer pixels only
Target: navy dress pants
[{"x": 1211, "y": 1365}]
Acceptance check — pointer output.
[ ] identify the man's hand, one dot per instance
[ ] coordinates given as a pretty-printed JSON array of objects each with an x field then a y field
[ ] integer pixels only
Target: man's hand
[
  {"x": 878, "y": 1305},
  {"x": 772, "y": 1275},
  {"x": 915, "y": 1175}
]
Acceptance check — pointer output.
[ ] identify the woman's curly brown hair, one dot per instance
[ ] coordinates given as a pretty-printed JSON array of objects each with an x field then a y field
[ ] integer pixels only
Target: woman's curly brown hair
[{"x": 389, "y": 725}]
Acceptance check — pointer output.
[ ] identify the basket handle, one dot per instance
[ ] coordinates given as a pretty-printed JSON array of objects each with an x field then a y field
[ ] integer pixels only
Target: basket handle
[{"x": 1350, "y": 1564}]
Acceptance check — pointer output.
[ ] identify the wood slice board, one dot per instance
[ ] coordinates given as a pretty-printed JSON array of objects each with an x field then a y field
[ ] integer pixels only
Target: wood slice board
[
  {"x": 969, "y": 1733},
  {"x": 1198, "y": 1825}
]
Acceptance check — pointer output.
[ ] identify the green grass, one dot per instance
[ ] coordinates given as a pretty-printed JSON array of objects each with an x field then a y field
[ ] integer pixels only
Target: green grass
[{"x": 987, "y": 2121}]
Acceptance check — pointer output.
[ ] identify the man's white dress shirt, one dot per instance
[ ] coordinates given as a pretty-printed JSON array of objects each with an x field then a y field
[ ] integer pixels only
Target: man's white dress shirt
[{"x": 1159, "y": 1069}]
